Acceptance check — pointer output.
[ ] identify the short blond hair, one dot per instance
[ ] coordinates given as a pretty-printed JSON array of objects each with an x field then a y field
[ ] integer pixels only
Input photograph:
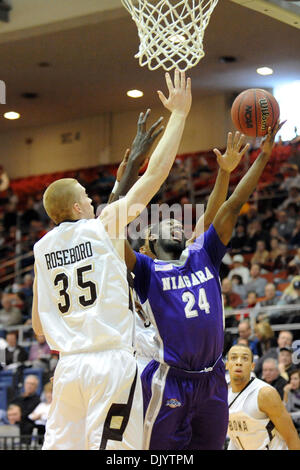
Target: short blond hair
[{"x": 59, "y": 199}]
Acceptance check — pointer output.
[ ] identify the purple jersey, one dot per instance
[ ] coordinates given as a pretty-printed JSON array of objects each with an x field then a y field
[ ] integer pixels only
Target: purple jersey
[{"x": 185, "y": 303}]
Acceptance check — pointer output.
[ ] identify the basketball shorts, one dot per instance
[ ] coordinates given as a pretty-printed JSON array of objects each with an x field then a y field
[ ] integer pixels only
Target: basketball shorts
[
  {"x": 184, "y": 411},
  {"x": 97, "y": 403}
]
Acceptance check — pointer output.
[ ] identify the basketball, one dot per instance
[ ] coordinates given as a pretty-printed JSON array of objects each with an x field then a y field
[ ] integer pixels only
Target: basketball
[{"x": 253, "y": 111}]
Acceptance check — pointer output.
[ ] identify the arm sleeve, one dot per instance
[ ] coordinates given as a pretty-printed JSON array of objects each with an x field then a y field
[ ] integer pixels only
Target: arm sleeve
[
  {"x": 211, "y": 243},
  {"x": 142, "y": 275}
]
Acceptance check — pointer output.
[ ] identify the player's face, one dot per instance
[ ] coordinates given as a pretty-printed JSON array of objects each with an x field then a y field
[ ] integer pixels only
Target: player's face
[
  {"x": 85, "y": 204},
  {"x": 239, "y": 364},
  {"x": 171, "y": 236}
]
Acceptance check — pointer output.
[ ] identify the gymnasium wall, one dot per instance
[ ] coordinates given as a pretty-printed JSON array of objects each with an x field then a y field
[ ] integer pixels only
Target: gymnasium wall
[{"x": 103, "y": 139}]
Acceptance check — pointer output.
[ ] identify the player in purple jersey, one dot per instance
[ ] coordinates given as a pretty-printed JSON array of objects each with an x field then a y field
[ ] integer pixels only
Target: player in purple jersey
[{"x": 184, "y": 389}]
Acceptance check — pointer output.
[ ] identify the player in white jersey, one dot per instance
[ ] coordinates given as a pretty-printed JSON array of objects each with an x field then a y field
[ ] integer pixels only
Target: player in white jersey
[
  {"x": 258, "y": 419},
  {"x": 81, "y": 299}
]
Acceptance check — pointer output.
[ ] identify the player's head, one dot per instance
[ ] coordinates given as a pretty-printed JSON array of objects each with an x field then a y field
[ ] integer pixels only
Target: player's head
[
  {"x": 239, "y": 363},
  {"x": 166, "y": 237},
  {"x": 66, "y": 199}
]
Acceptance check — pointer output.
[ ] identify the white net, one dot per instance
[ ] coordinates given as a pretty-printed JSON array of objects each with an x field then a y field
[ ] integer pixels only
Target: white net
[{"x": 170, "y": 31}]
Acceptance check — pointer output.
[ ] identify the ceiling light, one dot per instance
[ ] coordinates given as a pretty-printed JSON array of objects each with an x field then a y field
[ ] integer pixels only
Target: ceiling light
[
  {"x": 264, "y": 71},
  {"x": 135, "y": 93},
  {"x": 12, "y": 115}
]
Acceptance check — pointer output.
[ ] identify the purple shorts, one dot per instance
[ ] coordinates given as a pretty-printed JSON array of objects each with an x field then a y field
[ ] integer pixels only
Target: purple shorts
[{"x": 184, "y": 411}]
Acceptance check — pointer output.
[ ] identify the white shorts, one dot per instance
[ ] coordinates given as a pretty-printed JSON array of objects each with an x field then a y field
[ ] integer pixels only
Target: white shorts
[{"x": 97, "y": 403}]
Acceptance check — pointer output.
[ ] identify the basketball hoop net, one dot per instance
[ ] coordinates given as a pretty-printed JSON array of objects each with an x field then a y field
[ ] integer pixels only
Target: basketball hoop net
[{"x": 170, "y": 31}]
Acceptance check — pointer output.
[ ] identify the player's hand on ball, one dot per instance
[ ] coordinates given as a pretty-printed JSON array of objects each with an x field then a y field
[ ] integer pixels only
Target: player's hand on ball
[
  {"x": 268, "y": 141},
  {"x": 234, "y": 152}
]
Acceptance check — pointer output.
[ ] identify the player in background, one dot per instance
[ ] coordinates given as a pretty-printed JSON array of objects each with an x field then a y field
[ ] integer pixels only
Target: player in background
[
  {"x": 185, "y": 393},
  {"x": 258, "y": 419},
  {"x": 81, "y": 301}
]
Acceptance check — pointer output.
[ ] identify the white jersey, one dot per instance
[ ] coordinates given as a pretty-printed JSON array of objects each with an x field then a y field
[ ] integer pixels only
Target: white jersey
[
  {"x": 249, "y": 428},
  {"x": 83, "y": 292}
]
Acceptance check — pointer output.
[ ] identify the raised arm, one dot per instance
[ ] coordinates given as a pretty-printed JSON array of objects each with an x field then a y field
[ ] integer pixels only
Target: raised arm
[
  {"x": 136, "y": 157},
  {"x": 120, "y": 213},
  {"x": 227, "y": 163},
  {"x": 227, "y": 215}
]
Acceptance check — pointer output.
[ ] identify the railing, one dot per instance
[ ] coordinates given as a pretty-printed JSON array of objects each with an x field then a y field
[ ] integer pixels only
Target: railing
[
  {"x": 268, "y": 313},
  {"x": 15, "y": 261},
  {"x": 22, "y": 442}
]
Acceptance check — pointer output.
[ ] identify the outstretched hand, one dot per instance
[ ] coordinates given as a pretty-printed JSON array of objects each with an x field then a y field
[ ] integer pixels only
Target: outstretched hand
[
  {"x": 143, "y": 141},
  {"x": 234, "y": 152},
  {"x": 268, "y": 141},
  {"x": 180, "y": 95}
]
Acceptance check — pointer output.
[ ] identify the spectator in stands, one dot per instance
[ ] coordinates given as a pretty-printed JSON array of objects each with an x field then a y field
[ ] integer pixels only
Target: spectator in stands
[
  {"x": 249, "y": 303},
  {"x": 274, "y": 190},
  {"x": 275, "y": 234},
  {"x": 238, "y": 240},
  {"x": 274, "y": 252},
  {"x": 282, "y": 261},
  {"x": 285, "y": 338},
  {"x": 40, "y": 414},
  {"x": 9, "y": 315},
  {"x": 261, "y": 254},
  {"x": 270, "y": 299},
  {"x": 10, "y": 216},
  {"x": 295, "y": 237},
  {"x": 256, "y": 282},
  {"x": 271, "y": 375},
  {"x": 293, "y": 178},
  {"x": 245, "y": 333},
  {"x": 292, "y": 211},
  {"x": 239, "y": 268},
  {"x": 251, "y": 300},
  {"x": 14, "y": 353},
  {"x": 28, "y": 401},
  {"x": 29, "y": 214},
  {"x": 293, "y": 198},
  {"x": 291, "y": 295},
  {"x": 255, "y": 232},
  {"x": 249, "y": 216},
  {"x": 284, "y": 225},
  {"x": 238, "y": 286},
  {"x": 40, "y": 353},
  {"x": 267, "y": 217},
  {"x": 291, "y": 397},
  {"x": 12, "y": 416},
  {"x": 285, "y": 362},
  {"x": 233, "y": 298},
  {"x": 295, "y": 262},
  {"x": 265, "y": 335}
]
